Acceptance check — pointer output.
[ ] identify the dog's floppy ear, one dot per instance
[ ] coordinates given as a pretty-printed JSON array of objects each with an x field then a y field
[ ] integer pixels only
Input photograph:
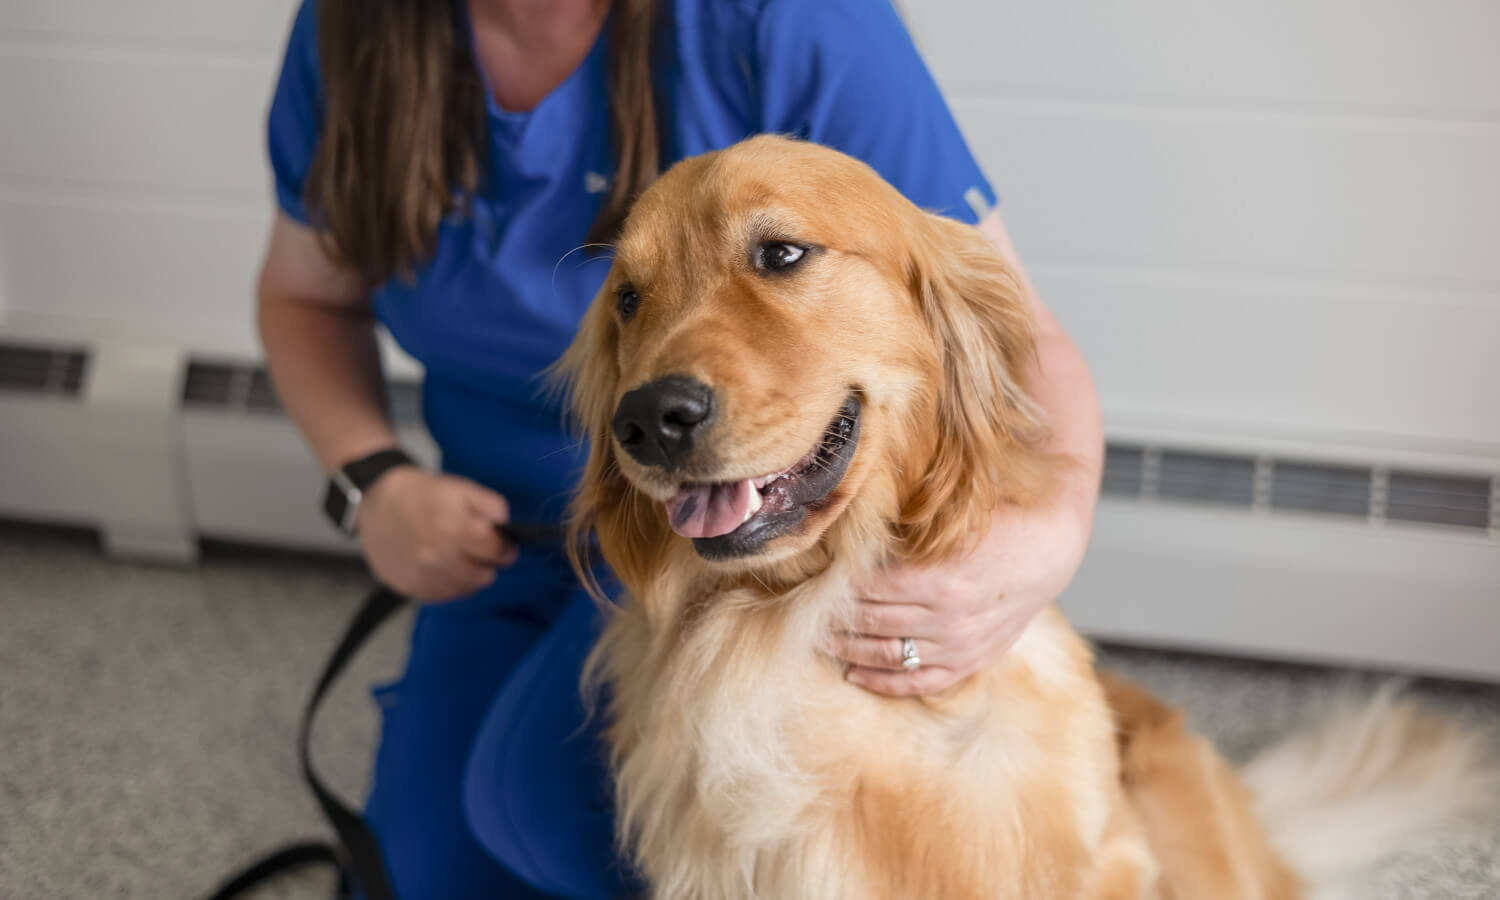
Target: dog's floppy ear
[
  {"x": 629, "y": 529},
  {"x": 985, "y": 425},
  {"x": 588, "y": 376}
]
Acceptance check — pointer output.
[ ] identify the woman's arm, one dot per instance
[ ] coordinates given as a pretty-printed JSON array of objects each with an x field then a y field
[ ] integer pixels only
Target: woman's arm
[
  {"x": 318, "y": 332},
  {"x": 428, "y": 535}
]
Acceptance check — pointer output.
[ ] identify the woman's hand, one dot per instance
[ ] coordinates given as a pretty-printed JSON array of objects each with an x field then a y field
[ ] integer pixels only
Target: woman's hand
[
  {"x": 964, "y": 614},
  {"x": 432, "y": 536}
]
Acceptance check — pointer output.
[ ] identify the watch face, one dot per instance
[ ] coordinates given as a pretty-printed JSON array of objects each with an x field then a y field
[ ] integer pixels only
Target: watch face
[{"x": 336, "y": 505}]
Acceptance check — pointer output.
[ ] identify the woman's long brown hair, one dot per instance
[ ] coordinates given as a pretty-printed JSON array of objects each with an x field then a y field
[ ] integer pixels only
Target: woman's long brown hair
[{"x": 404, "y": 133}]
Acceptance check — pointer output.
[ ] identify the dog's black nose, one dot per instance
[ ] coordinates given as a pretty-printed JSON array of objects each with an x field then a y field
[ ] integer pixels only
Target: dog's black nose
[{"x": 657, "y": 421}]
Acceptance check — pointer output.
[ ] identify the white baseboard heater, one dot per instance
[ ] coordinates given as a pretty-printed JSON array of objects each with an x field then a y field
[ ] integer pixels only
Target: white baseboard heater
[
  {"x": 158, "y": 449},
  {"x": 1304, "y": 553}
]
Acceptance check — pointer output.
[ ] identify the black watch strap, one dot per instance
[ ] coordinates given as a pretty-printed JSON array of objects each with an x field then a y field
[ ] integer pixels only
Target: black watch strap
[
  {"x": 363, "y": 472},
  {"x": 347, "y": 486}
]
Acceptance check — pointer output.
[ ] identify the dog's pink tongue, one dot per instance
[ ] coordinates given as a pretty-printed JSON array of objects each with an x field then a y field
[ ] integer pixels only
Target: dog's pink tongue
[{"x": 709, "y": 510}]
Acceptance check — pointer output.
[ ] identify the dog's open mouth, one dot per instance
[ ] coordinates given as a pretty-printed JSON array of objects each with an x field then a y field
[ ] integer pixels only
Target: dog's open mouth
[{"x": 737, "y": 518}]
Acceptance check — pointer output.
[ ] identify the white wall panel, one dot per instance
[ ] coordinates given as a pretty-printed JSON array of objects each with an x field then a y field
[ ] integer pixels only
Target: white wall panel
[
  {"x": 162, "y": 121},
  {"x": 253, "y": 25},
  {"x": 1398, "y": 57},
  {"x": 1372, "y": 366},
  {"x": 1246, "y": 194},
  {"x": 133, "y": 183},
  {"x": 172, "y": 270}
]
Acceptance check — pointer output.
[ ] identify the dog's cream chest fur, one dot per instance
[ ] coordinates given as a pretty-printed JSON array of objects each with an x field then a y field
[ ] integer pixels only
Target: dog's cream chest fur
[{"x": 750, "y": 769}]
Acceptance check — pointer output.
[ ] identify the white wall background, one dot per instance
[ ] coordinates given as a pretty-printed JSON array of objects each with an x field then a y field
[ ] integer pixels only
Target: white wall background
[
  {"x": 1257, "y": 216},
  {"x": 134, "y": 195},
  {"x": 1276, "y": 218}
]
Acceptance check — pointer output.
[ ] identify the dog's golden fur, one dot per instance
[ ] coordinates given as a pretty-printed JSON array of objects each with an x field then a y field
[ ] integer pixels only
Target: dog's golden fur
[{"x": 746, "y": 766}]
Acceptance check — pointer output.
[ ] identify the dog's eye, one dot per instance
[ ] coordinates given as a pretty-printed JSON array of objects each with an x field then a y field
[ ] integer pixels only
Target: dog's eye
[
  {"x": 627, "y": 299},
  {"x": 778, "y": 256}
]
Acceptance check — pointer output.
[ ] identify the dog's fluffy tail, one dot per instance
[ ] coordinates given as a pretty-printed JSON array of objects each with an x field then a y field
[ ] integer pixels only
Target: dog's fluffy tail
[{"x": 1374, "y": 777}]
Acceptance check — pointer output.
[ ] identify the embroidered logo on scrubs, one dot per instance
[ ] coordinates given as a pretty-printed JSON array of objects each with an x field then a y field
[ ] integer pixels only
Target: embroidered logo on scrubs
[
  {"x": 595, "y": 183},
  {"x": 975, "y": 198}
]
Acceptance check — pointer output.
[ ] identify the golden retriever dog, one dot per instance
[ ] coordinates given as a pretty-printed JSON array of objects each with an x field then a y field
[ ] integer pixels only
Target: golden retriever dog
[{"x": 792, "y": 376}]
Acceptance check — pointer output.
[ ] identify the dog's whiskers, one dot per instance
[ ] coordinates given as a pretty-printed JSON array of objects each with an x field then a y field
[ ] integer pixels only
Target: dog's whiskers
[{"x": 565, "y": 256}]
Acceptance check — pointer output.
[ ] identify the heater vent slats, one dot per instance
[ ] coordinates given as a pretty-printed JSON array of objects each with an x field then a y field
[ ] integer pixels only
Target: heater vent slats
[
  {"x": 1372, "y": 494},
  {"x": 1438, "y": 499},
  {"x": 207, "y": 384},
  {"x": 259, "y": 395},
  {"x": 1335, "y": 490},
  {"x": 237, "y": 388},
  {"x": 48, "y": 371},
  {"x": 1123, "y": 469},
  {"x": 1206, "y": 478}
]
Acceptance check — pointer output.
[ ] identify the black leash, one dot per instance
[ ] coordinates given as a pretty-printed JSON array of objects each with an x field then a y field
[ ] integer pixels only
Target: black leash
[{"x": 355, "y": 852}]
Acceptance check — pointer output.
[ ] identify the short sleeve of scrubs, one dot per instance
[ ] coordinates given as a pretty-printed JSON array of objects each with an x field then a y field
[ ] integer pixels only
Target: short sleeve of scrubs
[
  {"x": 296, "y": 113},
  {"x": 847, "y": 74}
]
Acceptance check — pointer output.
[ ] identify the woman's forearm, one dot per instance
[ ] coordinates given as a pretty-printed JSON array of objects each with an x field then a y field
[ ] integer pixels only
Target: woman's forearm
[
  {"x": 325, "y": 362},
  {"x": 317, "y": 329},
  {"x": 1062, "y": 387}
]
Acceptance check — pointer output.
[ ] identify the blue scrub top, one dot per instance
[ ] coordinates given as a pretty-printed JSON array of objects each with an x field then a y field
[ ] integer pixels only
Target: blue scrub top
[{"x": 504, "y": 292}]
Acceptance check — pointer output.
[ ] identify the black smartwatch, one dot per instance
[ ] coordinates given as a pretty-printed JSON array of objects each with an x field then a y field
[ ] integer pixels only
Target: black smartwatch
[{"x": 347, "y": 486}]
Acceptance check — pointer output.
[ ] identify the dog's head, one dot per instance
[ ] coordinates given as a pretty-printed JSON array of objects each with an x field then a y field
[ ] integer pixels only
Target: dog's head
[{"x": 787, "y": 358}]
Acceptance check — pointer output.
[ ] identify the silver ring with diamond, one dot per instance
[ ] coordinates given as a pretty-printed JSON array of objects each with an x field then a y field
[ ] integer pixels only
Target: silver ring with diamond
[{"x": 909, "y": 659}]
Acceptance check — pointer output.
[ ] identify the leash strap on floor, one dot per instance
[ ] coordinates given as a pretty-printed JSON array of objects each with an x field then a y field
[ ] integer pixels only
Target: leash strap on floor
[
  {"x": 357, "y": 853},
  {"x": 292, "y": 856}
]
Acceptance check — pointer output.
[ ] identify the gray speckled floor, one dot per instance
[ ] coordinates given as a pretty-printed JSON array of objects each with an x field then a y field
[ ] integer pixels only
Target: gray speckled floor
[{"x": 147, "y": 717}]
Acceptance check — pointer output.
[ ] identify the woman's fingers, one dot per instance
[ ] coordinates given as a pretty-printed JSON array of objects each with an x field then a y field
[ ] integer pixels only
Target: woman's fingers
[
  {"x": 483, "y": 501},
  {"x": 481, "y": 542},
  {"x": 903, "y": 682},
  {"x": 472, "y": 576},
  {"x": 897, "y": 620},
  {"x": 868, "y": 651}
]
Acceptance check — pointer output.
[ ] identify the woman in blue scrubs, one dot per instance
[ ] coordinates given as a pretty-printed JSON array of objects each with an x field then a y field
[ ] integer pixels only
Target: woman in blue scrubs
[{"x": 437, "y": 164}]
